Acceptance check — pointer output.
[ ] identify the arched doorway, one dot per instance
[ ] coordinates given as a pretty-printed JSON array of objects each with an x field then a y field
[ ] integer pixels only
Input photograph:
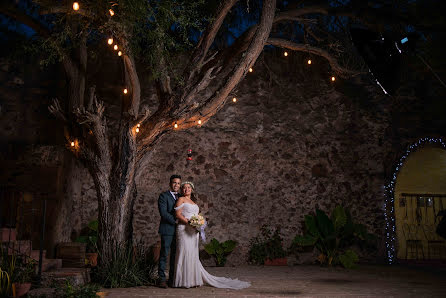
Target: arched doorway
[{"x": 419, "y": 194}]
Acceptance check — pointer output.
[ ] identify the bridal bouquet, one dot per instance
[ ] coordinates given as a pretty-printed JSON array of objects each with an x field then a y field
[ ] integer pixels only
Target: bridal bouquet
[{"x": 197, "y": 221}]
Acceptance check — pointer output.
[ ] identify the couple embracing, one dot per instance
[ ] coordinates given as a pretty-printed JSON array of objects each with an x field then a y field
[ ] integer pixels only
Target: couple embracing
[{"x": 176, "y": 207}]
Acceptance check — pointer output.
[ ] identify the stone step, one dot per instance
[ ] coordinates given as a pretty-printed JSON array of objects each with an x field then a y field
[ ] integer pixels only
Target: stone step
[
  {"x": 42, "y": 292},
  {"x": 76, "y": 276}
]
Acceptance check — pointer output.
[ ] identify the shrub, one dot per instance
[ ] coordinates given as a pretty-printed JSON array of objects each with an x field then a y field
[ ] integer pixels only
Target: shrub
[
  {"x": 219, "y": 251},
  {"x": 129, "y": 266},
  {"x": 267, "y": 245},
  {"x": 333, "y": 236}
]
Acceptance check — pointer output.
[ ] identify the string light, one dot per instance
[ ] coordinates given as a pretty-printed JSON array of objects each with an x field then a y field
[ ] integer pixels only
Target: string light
[
  {"x": 389, "y": 212},
  {"x": 199, "y": 122},
  {"x": 110, "y": 41},
  {"x": 72, "y": 144},
  {"x": 115, "y": 47},
  {"x": 285, "y": 54},
  {"x": 250, "y": 69},
  {"x": 175, "y": 125},
  {"x": 138, "y": 125},
  {"x": 137, "y": 129},
  {"x": 333, "y": 79},
  {"x": 234, "y": 99},
  {"x": 309, "y": 61},
  {"x": 125, "y": 91},
  {"x": 119, "y": 53},
  {"x": 112, "y": 13},
  {"x": 75, "y": 6}
]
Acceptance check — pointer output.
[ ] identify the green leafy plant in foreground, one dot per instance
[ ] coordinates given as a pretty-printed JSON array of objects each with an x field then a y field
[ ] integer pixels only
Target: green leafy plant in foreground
[
  {"x": 90, "y": 237},
  {"x": 267, "y": 245},
  {"x": 219, "y": 251},
  {"x": 333, "y": 236}
]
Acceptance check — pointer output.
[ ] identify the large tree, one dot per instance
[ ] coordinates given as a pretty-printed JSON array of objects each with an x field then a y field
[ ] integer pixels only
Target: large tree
[{"x": 189, "y": 95}]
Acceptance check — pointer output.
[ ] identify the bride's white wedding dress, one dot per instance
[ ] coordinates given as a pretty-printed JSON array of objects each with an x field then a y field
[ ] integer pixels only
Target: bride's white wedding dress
[{"x": 188, "y": 269}]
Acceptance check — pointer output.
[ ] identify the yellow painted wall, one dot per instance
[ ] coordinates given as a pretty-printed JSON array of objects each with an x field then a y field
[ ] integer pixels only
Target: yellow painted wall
[{"x": 423, "y": 172}]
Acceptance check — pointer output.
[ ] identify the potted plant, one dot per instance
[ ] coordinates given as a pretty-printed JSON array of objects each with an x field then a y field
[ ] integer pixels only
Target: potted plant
[
  {"x": 267, "y": 248},
  {"x": 219, "y": 251},
  {"x": 90, "y": 237},
  {"x": 333, "y": 236},
  {"x": 23, "y": 275}
]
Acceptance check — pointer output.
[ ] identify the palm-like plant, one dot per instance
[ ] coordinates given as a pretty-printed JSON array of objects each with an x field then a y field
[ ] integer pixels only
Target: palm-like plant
[
  {"x": 332, "y": 236},
  {"x": 219, "y": 251}
]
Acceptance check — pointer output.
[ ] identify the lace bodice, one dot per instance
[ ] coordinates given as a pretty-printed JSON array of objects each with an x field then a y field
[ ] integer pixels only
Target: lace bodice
[{"x": 188, "y": 209}]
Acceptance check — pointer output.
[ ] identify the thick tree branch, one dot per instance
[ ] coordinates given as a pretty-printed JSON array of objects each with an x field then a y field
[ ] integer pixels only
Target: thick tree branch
[
  {"x": 66, "y": 10},
  {"x": 216, "y": 101},
  {"x": 135, "y": 87},
  {"x": 13, "y": 12},
  {"x": 341, "y": 71},
  {"x": 206, "y": 40}
]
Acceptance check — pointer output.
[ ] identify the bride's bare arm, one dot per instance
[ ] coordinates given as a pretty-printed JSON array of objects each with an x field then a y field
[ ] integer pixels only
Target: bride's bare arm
[{"x": 179, "y": 215}]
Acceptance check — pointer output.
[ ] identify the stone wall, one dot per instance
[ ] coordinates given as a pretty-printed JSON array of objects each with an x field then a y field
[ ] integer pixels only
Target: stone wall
[
  {"x": 272, "y": 157},
  {"x": 291, "y": 143}
]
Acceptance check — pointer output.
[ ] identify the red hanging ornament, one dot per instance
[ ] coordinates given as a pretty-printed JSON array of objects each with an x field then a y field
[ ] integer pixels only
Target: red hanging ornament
[{"x": 189, "y": 154}]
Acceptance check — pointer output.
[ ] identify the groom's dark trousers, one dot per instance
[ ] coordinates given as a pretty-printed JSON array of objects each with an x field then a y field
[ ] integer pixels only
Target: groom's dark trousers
[{"x": 166, "y": 204}]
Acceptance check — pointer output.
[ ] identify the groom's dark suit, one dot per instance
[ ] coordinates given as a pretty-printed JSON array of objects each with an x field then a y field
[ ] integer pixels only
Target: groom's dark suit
[{"x": 166, "y": 204}]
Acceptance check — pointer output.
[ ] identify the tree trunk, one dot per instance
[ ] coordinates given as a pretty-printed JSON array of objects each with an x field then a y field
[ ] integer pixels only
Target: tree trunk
[{"x": 116, "y": 192}]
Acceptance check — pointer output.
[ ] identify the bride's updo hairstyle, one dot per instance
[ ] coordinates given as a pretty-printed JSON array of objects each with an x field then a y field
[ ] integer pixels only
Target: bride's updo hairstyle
[{"x": 193, "y": 197}]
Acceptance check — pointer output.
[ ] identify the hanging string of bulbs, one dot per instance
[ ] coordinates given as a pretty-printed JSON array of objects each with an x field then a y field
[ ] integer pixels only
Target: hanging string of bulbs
[
  {"x": 309, "y": 62},
  {"x": 110, "y": 42}
]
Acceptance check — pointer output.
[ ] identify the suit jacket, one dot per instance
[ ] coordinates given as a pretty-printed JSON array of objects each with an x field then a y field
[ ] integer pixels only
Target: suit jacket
[{"x": 166, "y": 204}]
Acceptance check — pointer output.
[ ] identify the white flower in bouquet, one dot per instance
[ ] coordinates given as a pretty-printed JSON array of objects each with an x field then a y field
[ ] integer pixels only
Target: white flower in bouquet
[{"x": 197, "y": 221}]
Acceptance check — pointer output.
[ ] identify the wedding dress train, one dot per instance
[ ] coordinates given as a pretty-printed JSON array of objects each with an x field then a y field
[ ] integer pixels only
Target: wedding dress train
[{"x": 188, "y": 269}]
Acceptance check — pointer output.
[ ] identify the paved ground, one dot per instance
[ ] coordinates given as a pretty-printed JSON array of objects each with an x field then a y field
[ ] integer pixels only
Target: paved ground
[{"x": 312, "y": 281}]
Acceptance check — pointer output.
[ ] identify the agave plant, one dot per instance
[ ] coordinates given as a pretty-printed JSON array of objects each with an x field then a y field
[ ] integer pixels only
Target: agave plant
[{"x": 332, "y": 236}]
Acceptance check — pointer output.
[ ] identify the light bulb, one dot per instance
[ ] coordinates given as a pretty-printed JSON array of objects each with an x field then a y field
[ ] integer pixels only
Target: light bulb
[
  {"x": 112, "y": 13},
  {"x": 76, "y": 6},
  {"x": 234, "y": 99},
  {"x": 72, "y": 144},
  {"x": 125, "y": 91},
  {"x": 137, "y": 129},
  {"x": 285, "y": 54},
  {"x": 333, "y": 79},
  {"x": 115, "y": 47},
  {"x": 250, "y": 69},
  {"x": 138, "y": 125},
  {"x": 175, "y": 125},
  {"x": 309, "y": 61},
  {"x": 110, "y": 41},
  {"x": 199, "y": 122},
  {"x": 119, "y": 53}
]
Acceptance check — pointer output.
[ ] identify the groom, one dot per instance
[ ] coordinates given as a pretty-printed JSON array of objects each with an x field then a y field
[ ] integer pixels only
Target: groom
[{"x": 166, "y": 204}]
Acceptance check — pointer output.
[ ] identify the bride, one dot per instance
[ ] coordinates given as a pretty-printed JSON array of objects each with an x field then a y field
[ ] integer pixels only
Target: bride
[{"x": 188, "y": 269}]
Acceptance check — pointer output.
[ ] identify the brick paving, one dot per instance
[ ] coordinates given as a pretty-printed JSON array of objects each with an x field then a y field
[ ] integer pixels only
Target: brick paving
[{"x": 312, "y": 281}]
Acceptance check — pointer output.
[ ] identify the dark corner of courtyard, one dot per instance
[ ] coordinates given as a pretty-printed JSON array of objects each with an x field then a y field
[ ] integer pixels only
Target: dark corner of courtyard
[{"x": 211, "y": 148}]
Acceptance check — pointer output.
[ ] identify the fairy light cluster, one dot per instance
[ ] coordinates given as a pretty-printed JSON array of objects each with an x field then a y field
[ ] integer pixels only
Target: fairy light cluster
[{"x": 389, "y": 211}]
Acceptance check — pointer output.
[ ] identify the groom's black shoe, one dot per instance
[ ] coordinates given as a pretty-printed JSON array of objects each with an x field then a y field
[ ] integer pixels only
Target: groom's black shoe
[
  {"x": 170, "y": 284},
  {"x": 162, "y": 284}
]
